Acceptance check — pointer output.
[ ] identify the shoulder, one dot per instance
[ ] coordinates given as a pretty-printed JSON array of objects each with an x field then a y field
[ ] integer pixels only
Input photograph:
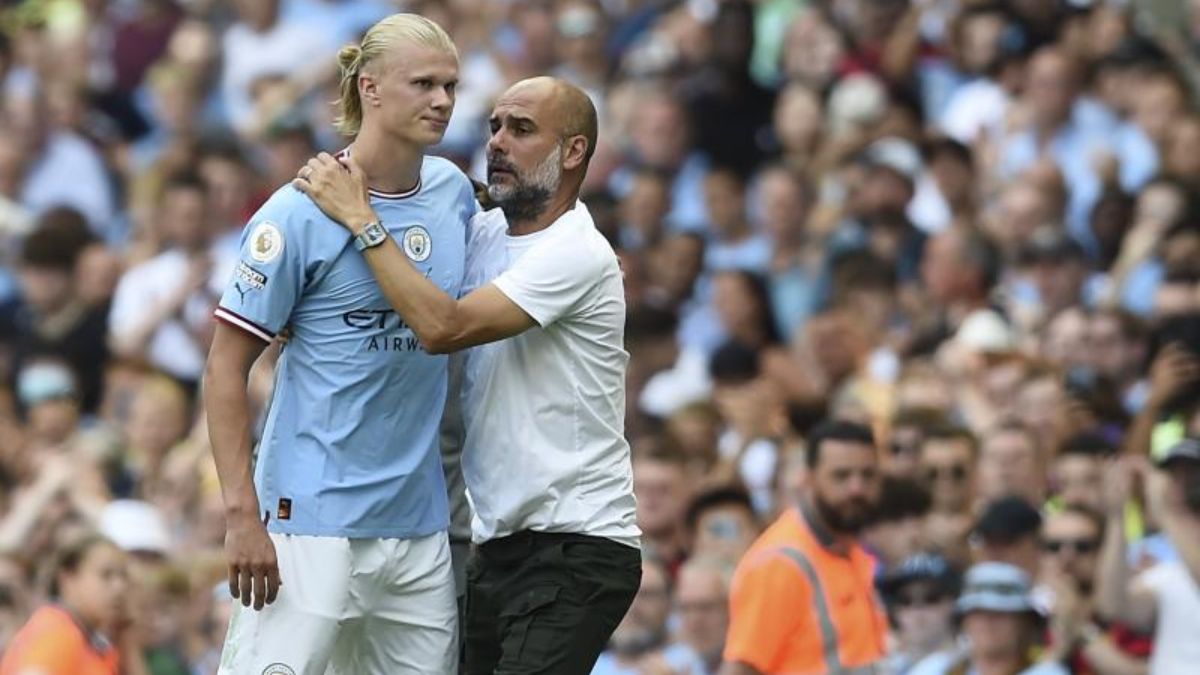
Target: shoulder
[
  {"x": 441, "y": 172},
  {"x": 49, "y": 632}
]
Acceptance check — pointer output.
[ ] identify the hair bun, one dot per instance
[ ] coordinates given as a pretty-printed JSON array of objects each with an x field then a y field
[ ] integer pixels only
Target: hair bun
[{"x": 350, "y": 59}]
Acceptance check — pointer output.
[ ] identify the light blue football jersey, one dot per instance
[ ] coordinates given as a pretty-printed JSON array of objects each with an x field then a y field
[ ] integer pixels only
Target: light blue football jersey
[{"x": 350, "y": 443}]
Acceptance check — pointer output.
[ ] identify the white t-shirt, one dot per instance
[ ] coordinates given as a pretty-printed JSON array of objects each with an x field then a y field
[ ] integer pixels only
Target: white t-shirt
[
  {"x": 544, "y": 411},
  {"x": 1176, "y": 649},
  {"x": 141, "y": 290}
]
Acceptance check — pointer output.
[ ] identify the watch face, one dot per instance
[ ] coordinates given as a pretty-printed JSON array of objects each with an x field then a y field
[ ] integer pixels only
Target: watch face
[{"x": 375, "y": 233}]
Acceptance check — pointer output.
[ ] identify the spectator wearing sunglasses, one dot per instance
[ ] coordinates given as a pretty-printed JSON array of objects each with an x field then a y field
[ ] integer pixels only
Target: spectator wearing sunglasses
[
  {"x": 919, "y": 594},
  {"x": 947, "y": 458},
  {"x": 1001, "y": 625},
  {"x": 1070, "y": 543}
]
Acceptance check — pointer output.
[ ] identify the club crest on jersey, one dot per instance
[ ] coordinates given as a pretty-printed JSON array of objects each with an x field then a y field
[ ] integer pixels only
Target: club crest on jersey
[
  {"x": 278, "y": 669},
  {"x": 266, "y": 242},
  {"x": 418, "y": 245}
]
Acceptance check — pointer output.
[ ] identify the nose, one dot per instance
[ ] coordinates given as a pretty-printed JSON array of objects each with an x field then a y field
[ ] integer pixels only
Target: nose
[
  {"x": 496, "y": 144},
  {"x": 442, "y": 100}
]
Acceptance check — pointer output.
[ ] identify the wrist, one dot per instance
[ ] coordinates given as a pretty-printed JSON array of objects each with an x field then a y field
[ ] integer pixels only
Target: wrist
[
  {"x": 241, "y": 510},
  {"x": 359, "y": 222}
]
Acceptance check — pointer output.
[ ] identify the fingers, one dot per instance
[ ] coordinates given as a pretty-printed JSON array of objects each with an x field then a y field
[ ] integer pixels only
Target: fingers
[
  {"x": 273, "y": 583},
  {"x": 246, "y": 584},
  {"x": 234, "y": 586},
  {"x": 302, "y": 185},
  {"x": 259, "y": 579}
]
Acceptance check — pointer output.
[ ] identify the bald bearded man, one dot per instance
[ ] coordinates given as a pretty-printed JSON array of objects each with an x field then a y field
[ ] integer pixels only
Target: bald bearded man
[{"x": 547, "y": 467}]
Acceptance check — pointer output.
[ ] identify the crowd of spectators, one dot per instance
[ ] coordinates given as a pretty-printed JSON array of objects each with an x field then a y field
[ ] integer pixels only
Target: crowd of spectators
[{"x": 973, "y": 225}]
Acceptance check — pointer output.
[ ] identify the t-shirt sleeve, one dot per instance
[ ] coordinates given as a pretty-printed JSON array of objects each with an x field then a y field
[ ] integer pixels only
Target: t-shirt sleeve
[
  {"x": 269, "y": 276},
  {"x": 552, "y": 278},
  {"x": 763, "y": 613}
]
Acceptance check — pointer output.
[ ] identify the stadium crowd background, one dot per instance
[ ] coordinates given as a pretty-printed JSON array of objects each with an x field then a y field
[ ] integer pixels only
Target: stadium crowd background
[{"x": 972, "y": 224}]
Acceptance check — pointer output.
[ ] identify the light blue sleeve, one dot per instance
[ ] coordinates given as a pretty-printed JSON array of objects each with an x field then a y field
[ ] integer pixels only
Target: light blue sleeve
[{"x": 270, "y": 274}]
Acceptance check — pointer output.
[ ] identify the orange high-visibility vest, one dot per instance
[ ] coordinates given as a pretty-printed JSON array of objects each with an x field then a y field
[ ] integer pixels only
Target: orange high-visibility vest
[
  {"x": 798, "y": 607},
  {"x": 51, "y": 642}
]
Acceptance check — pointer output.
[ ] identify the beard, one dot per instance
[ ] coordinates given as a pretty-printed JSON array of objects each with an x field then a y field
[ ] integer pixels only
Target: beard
[
  {"x": 529, "y": 195},
  {"x": 848, "y": 518}
]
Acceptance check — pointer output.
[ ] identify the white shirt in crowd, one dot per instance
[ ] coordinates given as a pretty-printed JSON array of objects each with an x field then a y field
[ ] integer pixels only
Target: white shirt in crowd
[
  {"x": 545, "y": 411},
  {"x": 1176, "y": 649},
  {"x": 141, "y": 291}
]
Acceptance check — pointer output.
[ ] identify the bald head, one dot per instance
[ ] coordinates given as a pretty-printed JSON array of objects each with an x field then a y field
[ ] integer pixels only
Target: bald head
[{"x": 567, "y": 107}]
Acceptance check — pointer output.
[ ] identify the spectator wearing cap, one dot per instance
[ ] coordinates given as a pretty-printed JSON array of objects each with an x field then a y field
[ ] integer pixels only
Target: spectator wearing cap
[
  {"x": 781, "y": 620},
  {"x": 898, "y": 530},
  {"x": 1166, "y": 597},
  {"x": 1002, "y": 626},
  {"x": 919, "y": 594},
  {"x": 50, "y": 396},
  {"x": 1008, "y": 532}
]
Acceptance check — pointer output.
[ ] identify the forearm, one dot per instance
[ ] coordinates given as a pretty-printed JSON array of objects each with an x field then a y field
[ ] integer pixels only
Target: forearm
[
  {"x": 427, "y": 309},
  {"x": 1183, "y": 529},
  {"x": 1112, "y": 574},
  {"x": 228, "y": 405},
  {"x": 1141, "y": 432}
]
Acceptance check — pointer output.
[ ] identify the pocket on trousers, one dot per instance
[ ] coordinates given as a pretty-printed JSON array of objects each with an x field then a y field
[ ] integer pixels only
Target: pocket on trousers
[{"x": 517, "y": 619}]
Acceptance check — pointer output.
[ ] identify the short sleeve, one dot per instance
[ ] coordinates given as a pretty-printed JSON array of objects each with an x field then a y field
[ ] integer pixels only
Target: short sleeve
[
  {"x": 762, "y": 612},
  {"x": 268, "y": 277},
  {"x": 552, "y": 278}
]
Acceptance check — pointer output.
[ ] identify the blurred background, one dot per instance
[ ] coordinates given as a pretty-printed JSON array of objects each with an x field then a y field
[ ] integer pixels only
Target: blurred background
[{"x": 971, "y": 224}]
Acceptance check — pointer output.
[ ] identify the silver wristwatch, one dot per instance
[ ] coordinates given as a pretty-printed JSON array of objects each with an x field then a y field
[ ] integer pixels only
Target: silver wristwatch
[{"x": 371, "y": 236}]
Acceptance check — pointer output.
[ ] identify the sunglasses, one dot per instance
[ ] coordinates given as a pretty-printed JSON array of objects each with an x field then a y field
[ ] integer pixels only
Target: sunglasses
[
  {"x": 956, "y": 473},
  {"x": 1080, "y": 546},
  {"x": 919, "y": 599}
]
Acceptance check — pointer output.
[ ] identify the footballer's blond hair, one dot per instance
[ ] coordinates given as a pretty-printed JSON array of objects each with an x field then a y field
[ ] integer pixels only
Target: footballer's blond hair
[{"x": 379, "y": 40}]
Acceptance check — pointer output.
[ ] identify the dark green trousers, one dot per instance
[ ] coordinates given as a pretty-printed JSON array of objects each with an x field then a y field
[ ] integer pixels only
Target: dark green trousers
[{"x": 546, "y": 603}]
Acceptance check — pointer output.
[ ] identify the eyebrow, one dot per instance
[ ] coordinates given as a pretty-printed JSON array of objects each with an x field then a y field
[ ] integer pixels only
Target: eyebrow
[{"x": 512, "y": 117}]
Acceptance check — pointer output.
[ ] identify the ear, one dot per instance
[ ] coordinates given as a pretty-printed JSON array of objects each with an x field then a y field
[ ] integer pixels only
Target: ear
[
  {"x": 575, "y": 154},
  {"x": 368, "y": 89}
]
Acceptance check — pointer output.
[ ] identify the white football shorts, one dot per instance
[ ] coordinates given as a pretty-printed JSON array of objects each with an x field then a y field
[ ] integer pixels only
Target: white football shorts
[{"x": 351, "y": 606}]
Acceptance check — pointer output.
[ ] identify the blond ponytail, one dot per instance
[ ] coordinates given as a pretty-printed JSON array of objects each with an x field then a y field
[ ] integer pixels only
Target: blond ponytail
[
  {"x": 352, "y": 59},
  {"x": 349, "y": 117}
]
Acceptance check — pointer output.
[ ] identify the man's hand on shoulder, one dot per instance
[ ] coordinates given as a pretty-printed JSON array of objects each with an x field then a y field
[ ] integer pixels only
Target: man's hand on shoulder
[{"x": 339, "y": 189}]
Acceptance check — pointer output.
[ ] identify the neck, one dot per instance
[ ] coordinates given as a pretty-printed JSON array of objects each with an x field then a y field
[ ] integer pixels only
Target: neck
[
  {"x": 390, "y": 165},
  {"x": 998, "y": 665},
  {"x": 562, "y": 201},
  {"x": 838, "y": 542}
]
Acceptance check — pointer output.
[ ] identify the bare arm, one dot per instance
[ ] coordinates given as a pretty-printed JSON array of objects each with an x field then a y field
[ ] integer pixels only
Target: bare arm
[
  {"x": 253, "y": 569},
  {"x": 442, "y": 323},
  {"x": 1115, "y": 598}
]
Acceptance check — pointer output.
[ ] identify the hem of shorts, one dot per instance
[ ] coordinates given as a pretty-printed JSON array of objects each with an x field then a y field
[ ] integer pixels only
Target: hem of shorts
[{"x": 354, "y": 533}]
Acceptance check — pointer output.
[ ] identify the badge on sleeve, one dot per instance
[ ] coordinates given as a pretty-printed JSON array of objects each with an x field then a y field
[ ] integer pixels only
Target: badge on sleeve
[
  {"x": 418, "y": 245},
  {"x": 266, "y": 242}
]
